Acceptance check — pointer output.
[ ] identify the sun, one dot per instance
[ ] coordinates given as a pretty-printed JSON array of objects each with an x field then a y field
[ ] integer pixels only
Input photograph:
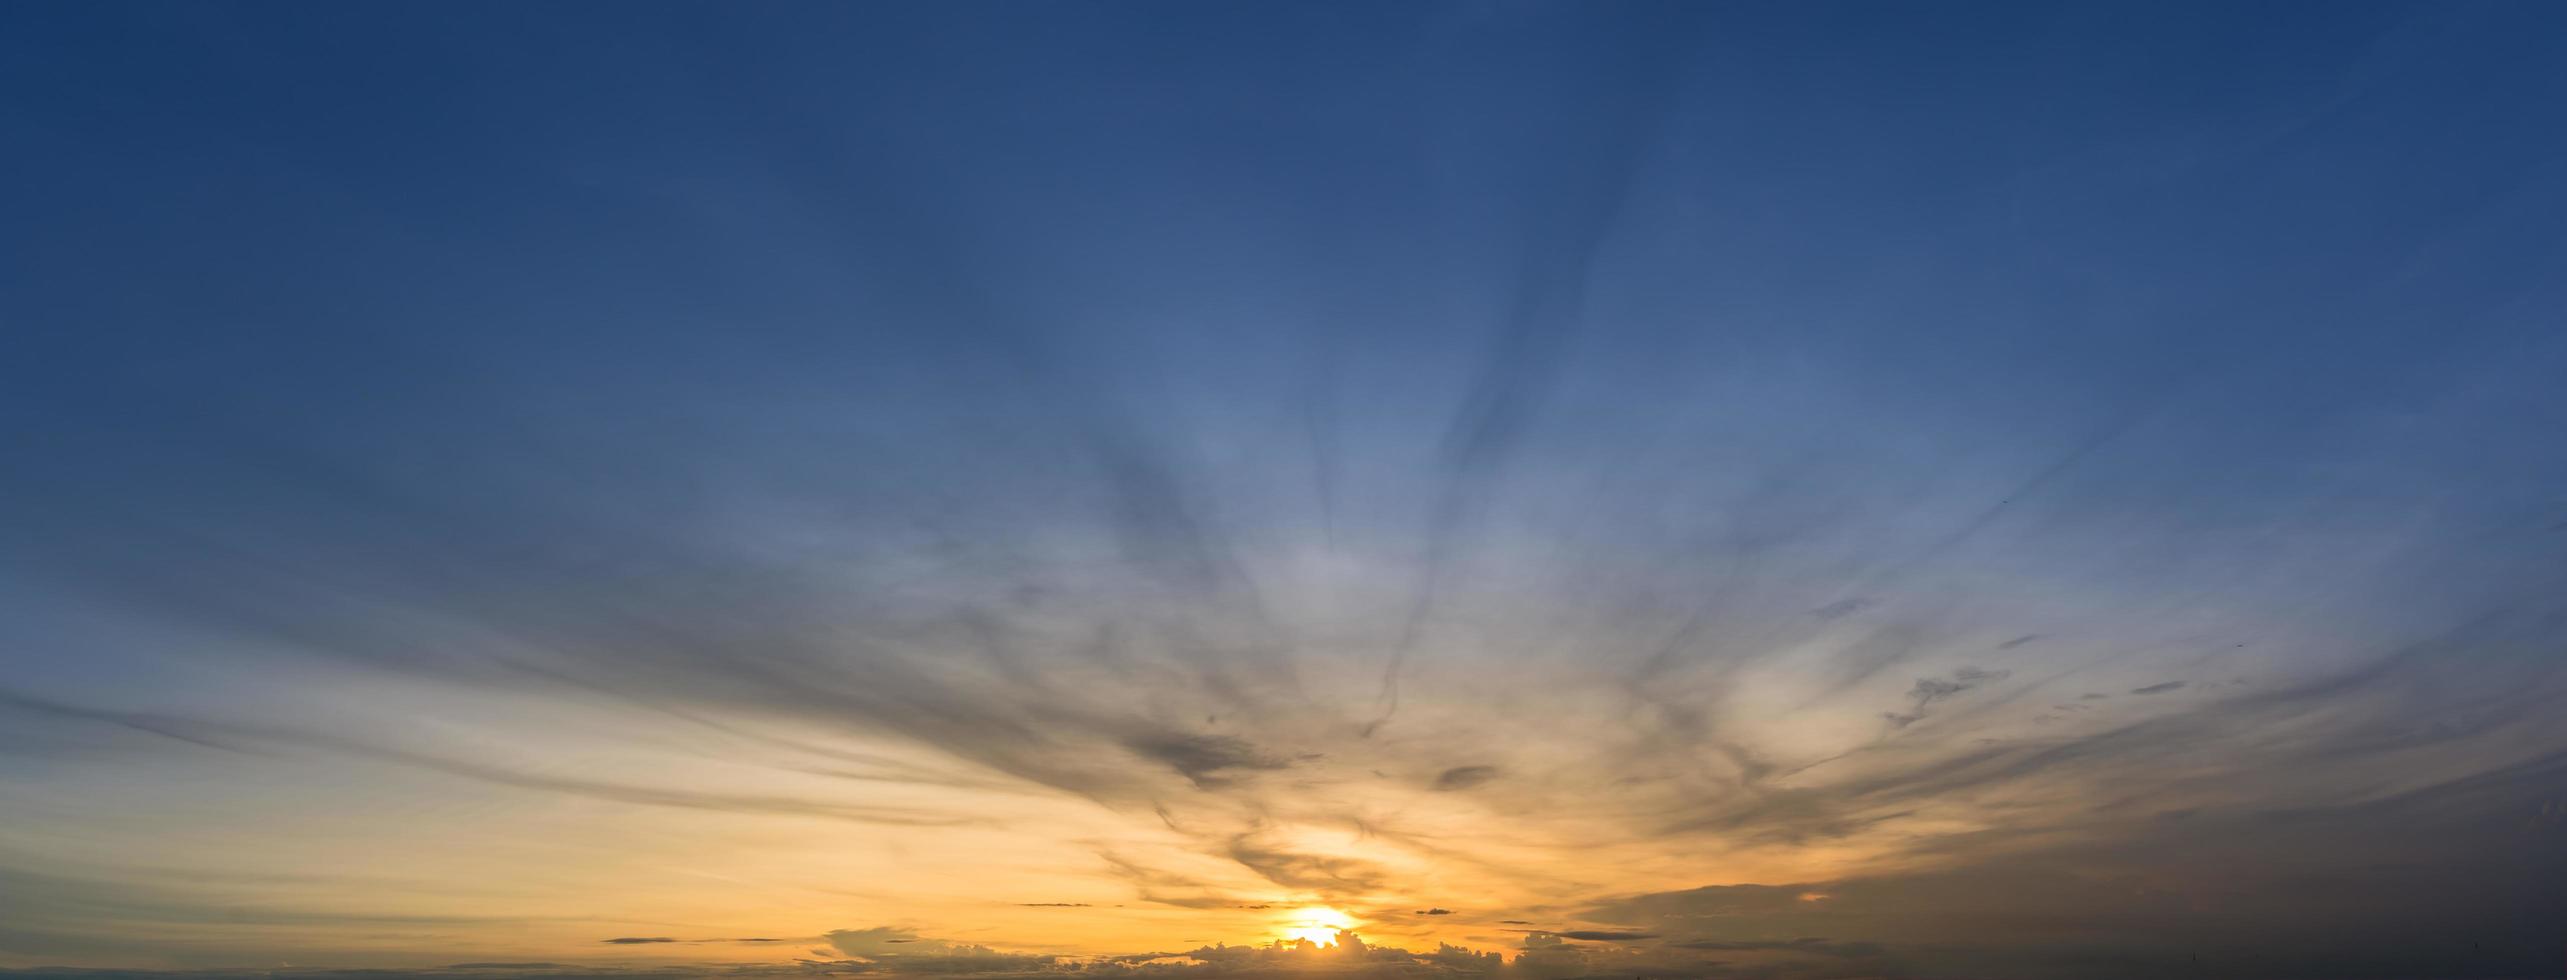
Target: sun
[{"x": 1318, "y": 924}]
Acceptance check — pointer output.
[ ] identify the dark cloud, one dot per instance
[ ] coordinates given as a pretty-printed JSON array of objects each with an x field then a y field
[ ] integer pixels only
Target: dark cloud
[
  {"x": 2258, "y": 891},
  {"x": 1203, "y": 759},
  {"x": 1435, "y": 911},
  {"x": 637, "y": 940},
  {"x": 1929, "y": 690},
  {"x": 2159, "y": 688},
  {"x": 1464, "y": 777},
  {"x": 1841, "y": 608},
  {"x": 1818, "y": 946},
  {"x": 1605, "y": 935}
]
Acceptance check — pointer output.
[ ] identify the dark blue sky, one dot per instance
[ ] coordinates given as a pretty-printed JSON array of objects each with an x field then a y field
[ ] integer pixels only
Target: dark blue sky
[{"x": 1890, "y": 452}]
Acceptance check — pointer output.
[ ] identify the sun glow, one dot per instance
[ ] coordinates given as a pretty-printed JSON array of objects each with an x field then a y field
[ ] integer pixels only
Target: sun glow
[{"x": 1317, "y": 924}]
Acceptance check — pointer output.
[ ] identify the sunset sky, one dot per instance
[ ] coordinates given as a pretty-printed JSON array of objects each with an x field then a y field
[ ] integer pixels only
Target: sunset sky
[{"x": 1192, "y": 491}]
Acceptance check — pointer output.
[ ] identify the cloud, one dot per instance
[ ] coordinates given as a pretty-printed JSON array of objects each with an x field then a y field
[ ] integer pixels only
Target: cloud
[
  {"x": 1819, "y": 946},
  {"x": 2159, "y": 688},
  {"x": 1167, "y": 888},
  {"x": 234, "y": 736},
  {"x": 1323, "y": 873},
  {"x": 1842, "y": 608},
  {"x": 1203, "y": 759},
  {"x": 2235, "y": 887},
  {"x": 1434, "y": 911},
  {"x": 873, "y": 940},
  {"x": 903, "y": 951},
  {"x": 1929, "y": 690},
  {"x": 1351, "y": 956},
  {"x": 1464, "y": 777},
  {"x": 637, "y": 940}
]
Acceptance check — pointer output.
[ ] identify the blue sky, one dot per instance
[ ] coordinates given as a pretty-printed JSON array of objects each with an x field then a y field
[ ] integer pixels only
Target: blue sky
[{"x": 1794, "y": 490}]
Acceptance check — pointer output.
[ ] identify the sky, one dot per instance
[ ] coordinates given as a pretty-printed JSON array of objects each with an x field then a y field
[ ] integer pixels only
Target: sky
[{"x": 1180, "y": 491}]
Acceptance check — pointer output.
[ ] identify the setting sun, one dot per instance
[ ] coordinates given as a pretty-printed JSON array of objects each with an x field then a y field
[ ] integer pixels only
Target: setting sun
[{"x": 1317, "y": 924}]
